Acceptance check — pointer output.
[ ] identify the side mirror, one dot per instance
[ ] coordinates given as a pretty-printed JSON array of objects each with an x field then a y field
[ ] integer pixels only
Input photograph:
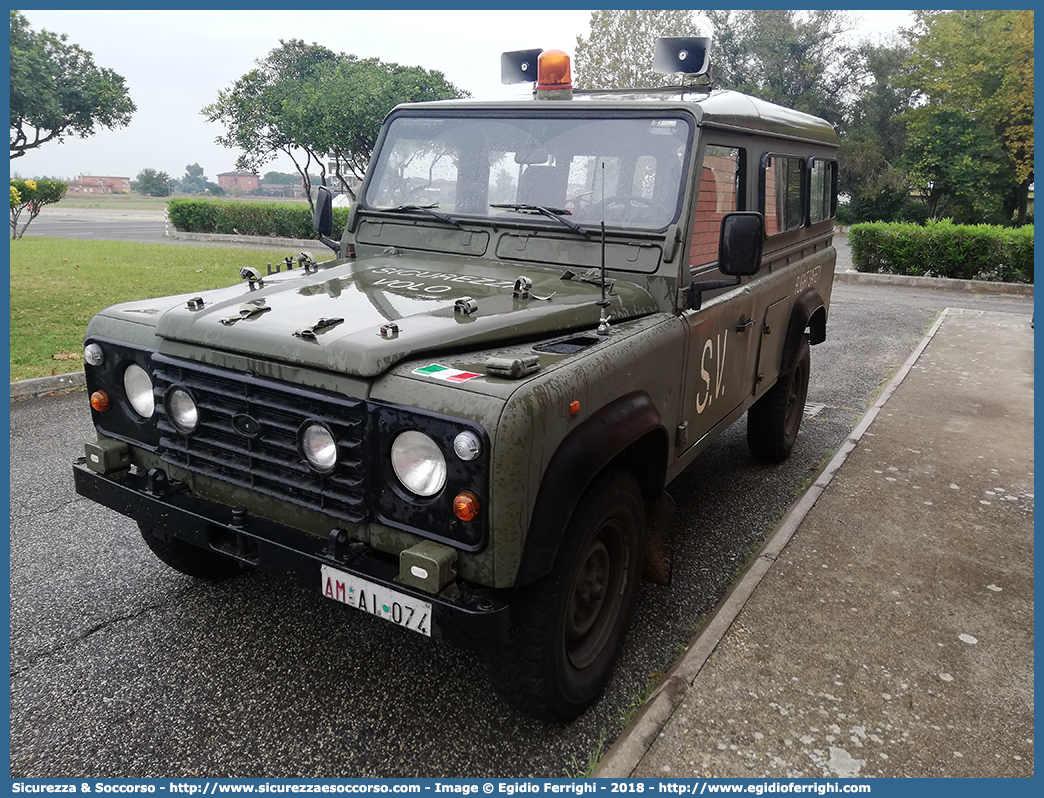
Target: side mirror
[
  {"x": 322, "y": 220},
  {"x": 739, "y": 253},
  {"x": 740, "y": 243}
]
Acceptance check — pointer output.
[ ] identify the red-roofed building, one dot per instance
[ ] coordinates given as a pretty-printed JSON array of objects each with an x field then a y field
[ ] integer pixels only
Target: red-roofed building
[
  {"x": 100, "y": 184},
  {"x": 247, "y": 181}
]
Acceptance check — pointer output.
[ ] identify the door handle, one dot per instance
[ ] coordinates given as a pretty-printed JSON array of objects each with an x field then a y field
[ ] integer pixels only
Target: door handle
[{"x": 743, "y": 324}]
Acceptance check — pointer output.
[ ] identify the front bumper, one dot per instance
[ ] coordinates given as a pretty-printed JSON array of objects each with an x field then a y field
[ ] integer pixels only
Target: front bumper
[{"x": 473, "y": 620}]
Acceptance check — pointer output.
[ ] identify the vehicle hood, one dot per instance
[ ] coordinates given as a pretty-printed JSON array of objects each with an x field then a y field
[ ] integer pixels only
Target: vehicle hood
[{"x": 332, "y": 318}]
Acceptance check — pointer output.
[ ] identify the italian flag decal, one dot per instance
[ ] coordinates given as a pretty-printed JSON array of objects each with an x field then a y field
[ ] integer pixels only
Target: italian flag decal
[{"x": 446, "y": 374}]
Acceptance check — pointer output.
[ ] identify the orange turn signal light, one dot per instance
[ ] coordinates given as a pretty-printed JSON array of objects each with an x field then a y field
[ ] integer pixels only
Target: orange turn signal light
[
  {"x": 553, "y": 70},
  {"x": 100, "y": 401},
  {"x": 574, "y": 407},
  {"x": 466, "y": 506}
]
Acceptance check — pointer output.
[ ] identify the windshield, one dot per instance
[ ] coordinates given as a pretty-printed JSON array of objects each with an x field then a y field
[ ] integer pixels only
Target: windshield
[{"x": 627, "y": 170}]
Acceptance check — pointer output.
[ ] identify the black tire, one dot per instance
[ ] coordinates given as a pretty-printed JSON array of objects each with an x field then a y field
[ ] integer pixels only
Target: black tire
[
  {"x": 188, "y": 559},
  {"x": 773, "y": 421},
  {"x": 569, "y": 626}
]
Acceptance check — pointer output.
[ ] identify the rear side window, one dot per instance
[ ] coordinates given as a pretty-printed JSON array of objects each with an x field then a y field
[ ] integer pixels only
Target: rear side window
[
  {"x": 822, "y": 190},
  {"x": 719, "y": 193},
  {"x": 782, "y": 192}
]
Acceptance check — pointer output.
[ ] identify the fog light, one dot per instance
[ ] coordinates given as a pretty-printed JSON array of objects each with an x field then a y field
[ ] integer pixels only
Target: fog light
[
  {"x": 182, "y": 410},
  {"x": 466, "y": 506},
  {"x": 319, "y": 447}
]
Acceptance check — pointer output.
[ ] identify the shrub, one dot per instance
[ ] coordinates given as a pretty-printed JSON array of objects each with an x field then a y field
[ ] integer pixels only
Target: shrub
[
  {"x": 248, "y": 218},
  {"x": 32, "y": 196},
  {"x": 944, "y": 249}
]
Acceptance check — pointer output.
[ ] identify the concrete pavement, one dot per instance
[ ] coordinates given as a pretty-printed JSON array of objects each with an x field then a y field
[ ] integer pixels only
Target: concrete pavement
[{"x": 886, "y": 628}]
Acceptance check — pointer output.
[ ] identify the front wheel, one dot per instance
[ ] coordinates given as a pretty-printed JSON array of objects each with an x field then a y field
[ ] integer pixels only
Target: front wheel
[
  {"x": 569, "y": 626},
  {"x": 773, "y": 421}
]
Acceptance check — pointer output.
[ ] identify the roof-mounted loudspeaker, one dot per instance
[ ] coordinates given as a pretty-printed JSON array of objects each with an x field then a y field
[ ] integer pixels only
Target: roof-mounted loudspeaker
[
  {"x": 688, "y": 54},
  {"x": 519, "y": 66}
]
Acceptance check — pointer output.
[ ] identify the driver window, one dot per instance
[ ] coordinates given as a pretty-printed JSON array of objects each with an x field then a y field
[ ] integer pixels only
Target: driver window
[{"x": 718, "y": 194}]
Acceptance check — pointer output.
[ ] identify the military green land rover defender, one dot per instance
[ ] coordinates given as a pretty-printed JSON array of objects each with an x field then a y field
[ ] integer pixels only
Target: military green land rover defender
[{"x": 540, "y": 312}]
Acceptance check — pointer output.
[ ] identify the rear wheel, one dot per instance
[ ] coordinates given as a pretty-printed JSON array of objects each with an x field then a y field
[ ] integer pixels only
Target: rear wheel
[
  {"x": 188, "y": 559},
  {"x": 568, "y": 627},
  {"x": 773, "y": 421}
]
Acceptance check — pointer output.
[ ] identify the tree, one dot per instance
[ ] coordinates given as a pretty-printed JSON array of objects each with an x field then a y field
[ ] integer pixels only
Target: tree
[
  {"x": 265, "y": 112},
  {"x": 618, "y": 52},
  {"x": 32, "y": 196},
  {"x": 194, "y": 181},
  {"x": 279, "y": 178},
  {"x": 353, "y": 98},
  {"x": 153, "y": 183},
  {"x": 57, "y": 90},
  {"x": 874, "y": 134},
  {"x": 793, "y": 58},
  {"x": 980, "y": 63},
  {"x": 308, "y": 102},
  {"x": 959, "y": 166}
]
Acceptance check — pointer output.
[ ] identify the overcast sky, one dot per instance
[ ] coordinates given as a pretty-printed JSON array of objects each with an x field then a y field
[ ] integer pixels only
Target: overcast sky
[{"x": 175, "y": 62}]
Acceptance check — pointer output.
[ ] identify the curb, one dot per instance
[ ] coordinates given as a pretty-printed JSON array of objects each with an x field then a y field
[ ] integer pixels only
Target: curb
[
  {"x": 982, "y": 286},
  {"x": 266, "y": 241},
  {"x": 42, "y": 386},
  {"x": 636, "y": 739}
]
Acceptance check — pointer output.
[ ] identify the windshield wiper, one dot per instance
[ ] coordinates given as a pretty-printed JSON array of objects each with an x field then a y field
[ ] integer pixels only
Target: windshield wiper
[
  {"x": 558, "y": 214},
  {"x": 422, "y": 209}
]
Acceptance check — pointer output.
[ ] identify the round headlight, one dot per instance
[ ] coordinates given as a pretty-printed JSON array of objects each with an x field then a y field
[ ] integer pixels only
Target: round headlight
[
  {"x": 467, "y": 445},
  {"x": 93, "y": 355},
  {"x": 418, "y": 463},
  {"x": 319, "y": 446},
  {"x": 138, "y": 385},
  {"x": 182, "y": 410}
]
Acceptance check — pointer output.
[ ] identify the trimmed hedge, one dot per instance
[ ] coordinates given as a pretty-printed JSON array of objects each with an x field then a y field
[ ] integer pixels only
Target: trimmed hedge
[
  {"x": 944, "y": 249},
  {"x": 248, "y": 218}
]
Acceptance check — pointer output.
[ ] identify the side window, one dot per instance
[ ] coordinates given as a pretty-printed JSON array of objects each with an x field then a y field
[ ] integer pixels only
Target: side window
[
  {"x": 719, "y": 193},
  {"x": 782, "y": 193},
  {"x": 822, "y": 190}
]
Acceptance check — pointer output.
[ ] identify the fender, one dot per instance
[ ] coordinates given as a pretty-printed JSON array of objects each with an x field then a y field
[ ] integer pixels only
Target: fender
[
  {"x": 809, "y": 312},
  {"x": 589, "y": 448}
]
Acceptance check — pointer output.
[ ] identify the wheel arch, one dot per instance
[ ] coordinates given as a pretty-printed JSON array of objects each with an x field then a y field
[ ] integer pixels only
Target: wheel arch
[
  {"x": 809, "y": 313},
  {"x": 628, "y": 432}
]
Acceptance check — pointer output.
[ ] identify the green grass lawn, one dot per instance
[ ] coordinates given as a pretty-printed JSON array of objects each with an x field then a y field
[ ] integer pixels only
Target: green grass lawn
[{"x": 58, "y": 284}]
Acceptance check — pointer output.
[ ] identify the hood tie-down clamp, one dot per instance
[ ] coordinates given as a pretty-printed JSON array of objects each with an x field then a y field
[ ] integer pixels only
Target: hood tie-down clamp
[
  {"x": 523, "y": 290},
  {"x": 311, "y": 333},
  {"x": 465, "y": 306},
  {"x": 248, "y": 310}
]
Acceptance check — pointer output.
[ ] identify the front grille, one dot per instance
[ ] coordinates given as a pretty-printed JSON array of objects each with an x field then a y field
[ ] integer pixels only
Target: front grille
[{"x": 267, "y": 460}]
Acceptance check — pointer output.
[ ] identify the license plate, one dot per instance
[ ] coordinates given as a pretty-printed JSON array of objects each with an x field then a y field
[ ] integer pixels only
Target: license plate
[{"x": 378, "y": 600}]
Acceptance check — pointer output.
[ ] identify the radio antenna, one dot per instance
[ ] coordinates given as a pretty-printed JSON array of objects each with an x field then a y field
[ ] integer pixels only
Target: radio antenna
[{"x": 603, "y": 303}]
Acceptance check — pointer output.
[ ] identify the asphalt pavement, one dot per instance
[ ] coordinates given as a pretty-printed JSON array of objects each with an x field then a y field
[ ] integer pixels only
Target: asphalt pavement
[{"x": 886, "y": 627}]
